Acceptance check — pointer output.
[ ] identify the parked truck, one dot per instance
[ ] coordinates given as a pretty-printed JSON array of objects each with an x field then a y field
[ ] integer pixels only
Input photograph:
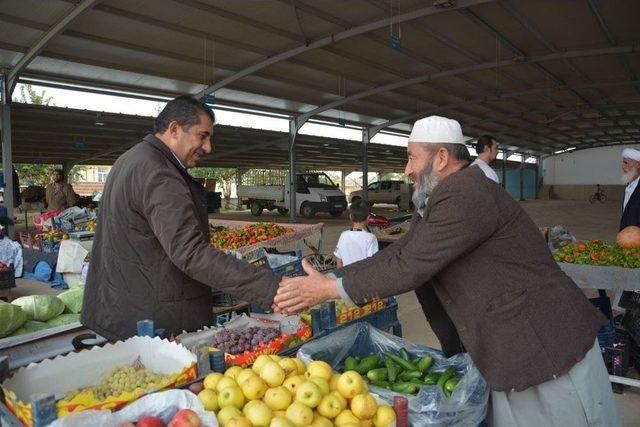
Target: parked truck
[
  {"x": 315, "y": 192},
  {"x": 393, "y": 192}
]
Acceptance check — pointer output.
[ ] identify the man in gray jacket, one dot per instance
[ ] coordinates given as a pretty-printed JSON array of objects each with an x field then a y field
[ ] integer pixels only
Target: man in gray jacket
[
  {"x": 151, "y": 256},
  {"x": 488, "y": 285}
]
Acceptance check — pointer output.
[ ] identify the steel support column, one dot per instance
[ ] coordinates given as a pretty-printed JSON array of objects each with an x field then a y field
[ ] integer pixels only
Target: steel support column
[
  {"x": 522, "y": 177},
  {"x": 7, "y": 158},
  {"x": 293, "y": 130},
  {"x": 505, "y": 154},
  {"x": 343, "y": 180},
  {"x": 365, "y": 164},
  {"x": 537, "y": 188},
  {"x": 239, "y": 173}
]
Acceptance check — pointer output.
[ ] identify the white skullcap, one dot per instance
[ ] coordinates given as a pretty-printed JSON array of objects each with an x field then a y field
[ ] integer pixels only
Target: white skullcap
[
  {"x": 437, "y": 130},
  {"x": 631, "y": 153}
]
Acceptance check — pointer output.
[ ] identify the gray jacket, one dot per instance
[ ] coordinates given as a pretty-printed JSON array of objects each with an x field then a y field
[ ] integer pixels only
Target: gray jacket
[{"x": 151, "y": 257}]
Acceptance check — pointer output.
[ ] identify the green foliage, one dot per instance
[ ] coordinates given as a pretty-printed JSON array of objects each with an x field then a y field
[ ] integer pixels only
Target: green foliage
[
  {"x": 31, "y": 174},
  {"x": 28, "y": 95}
]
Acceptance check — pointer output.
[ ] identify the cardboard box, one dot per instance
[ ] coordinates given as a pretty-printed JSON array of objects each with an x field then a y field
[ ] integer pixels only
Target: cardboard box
[{"x": 65, "y": 374}]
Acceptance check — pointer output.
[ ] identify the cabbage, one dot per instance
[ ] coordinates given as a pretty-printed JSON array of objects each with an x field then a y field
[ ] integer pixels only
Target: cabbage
[
  {"x": 11, "y": 318},
  {"x": 64, "y": 319},
  {"x": 29, "y": 327},
  {"x": 40, "y": 307},
  {"x": 72, "y": 299}
]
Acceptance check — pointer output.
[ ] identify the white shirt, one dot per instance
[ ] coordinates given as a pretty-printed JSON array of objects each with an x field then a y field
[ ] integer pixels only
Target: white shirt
[
  {"x": 490, "y": 173},
  {"x": 631, "y": 187},
  {"x": 355, "y": 246}
]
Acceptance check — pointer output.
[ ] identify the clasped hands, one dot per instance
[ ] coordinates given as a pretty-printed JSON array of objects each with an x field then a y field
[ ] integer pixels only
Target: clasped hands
[{"x": 296, "y": 294}]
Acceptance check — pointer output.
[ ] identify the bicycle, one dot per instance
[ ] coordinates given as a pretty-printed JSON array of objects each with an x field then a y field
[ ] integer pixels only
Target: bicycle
[{"x": 598, "y": 195}]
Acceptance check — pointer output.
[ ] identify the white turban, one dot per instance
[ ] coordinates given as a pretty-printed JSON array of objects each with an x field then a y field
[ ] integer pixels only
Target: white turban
[
  {"x": 437, "y": 130},
  {"x": 631, "y": 153}
]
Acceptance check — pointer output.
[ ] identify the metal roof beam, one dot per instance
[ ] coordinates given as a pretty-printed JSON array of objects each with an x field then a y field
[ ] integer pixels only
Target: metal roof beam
[
  {"x": 58, "y": 27},
  {"x": 333, "y": 38}
]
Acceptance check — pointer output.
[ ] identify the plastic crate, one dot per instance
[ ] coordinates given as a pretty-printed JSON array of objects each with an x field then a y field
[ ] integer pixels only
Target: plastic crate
[
  {"x": 291, "y": 269},
  {"x": 385, "y": 319},
  {"x": 7, "y": 279},
  {"x": 29, "y": 242}
]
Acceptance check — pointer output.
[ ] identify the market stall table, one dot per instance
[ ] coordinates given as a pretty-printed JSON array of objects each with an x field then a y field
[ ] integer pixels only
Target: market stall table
[{"x": 608, "y": 278}]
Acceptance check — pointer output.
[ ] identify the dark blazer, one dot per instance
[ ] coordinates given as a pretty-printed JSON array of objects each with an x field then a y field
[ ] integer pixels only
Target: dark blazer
[
  {"x": 478, "y": 259},
  {"x": 631, "y": 213},
  {"x": 151, "y": 257}
]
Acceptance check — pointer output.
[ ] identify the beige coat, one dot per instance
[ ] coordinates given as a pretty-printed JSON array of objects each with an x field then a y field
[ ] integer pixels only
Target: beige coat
[{"x": 60, "y": 196}]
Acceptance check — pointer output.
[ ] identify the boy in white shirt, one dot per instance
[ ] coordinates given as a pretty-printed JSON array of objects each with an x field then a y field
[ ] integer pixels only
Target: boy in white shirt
[{"x": 357, "y": 243}]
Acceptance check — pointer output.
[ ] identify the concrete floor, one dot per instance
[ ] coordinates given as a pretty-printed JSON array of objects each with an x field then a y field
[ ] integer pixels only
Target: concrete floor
[{"x": 585, "y": 221}]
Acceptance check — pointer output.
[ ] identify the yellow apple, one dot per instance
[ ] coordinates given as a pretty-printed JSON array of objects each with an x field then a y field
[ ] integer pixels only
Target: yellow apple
[
  {"x": 320, "y": 421},
  {"x": 227, "y": 413},
  {"x": 350, "y": 384},
  {"x": 281, "y": 414},
  {"x": 211, "y": 380},
  {"x": 225, "y": 382},
  {"x": 319, "y": 368},
  {"x": 209, "y": 399},
  {"x": 244, "y": 375},
  {"x": 364, "y": 406},
  {"x": 272, "y": 373},
  {"x": 302, "y": 368},
  {"x": 258, "y": 413},
  {"x": 299, "y": 414},
  {"x": 260, "y": 362},
  {"x": 309, "y": 394},
  {"x": 275, "y": 357},
  {"x": 293, "y": 383},
  {"x": 333, "y": 384},
  {"x": 289, "y": 366},
  {"x": 254, "y": 388},
  {"x": 331, "y": 405},
  {"x": 346, "y": 417},
  {"x": 322, "y": 383},
  {"x": 384, "y": 417},
  {"x": 342, "y": 400},
  {"x": 231, "y": 396},
  {"x": 233, "y": 372},
  {"x": 278, "y": 398},
  {"x": 281, "y": 422},
  {"x": 366, "y": 423},
  {"x": 239, "y": 422}
]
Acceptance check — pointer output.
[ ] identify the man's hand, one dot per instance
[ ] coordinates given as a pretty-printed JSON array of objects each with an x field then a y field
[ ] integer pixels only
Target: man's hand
[{"x": 298, "y": 293}]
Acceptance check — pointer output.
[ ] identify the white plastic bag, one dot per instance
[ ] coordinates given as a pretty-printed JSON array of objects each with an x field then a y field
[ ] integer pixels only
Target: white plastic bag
[{"x": 163, "y": 405}]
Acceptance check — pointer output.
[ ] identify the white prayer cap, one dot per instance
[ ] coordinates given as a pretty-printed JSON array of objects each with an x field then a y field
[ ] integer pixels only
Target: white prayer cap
[
  {"x": 631, "y": 153},
  {"x": 436, "y": 130}
]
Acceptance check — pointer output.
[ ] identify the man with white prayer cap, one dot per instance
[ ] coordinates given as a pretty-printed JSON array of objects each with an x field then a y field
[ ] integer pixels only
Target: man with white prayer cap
[
  {"x": 630, "y": 177},
  {"x": 488, "y": 285}
]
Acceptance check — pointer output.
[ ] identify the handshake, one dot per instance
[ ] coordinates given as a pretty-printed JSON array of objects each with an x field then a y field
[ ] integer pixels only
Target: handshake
[{"x": 296, "y": 294}]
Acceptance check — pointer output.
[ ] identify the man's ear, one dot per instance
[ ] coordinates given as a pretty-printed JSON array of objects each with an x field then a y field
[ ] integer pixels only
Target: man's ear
[
  {"x": 173, "y": 129},
  {"x": 441, "y": 159}
]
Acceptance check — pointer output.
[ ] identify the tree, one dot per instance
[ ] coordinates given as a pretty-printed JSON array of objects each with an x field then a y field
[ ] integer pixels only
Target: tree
[
  {"x": 31, "y": 174},
  {"x": 28, "y": 95},
  {"x": 223, "y": 176}
]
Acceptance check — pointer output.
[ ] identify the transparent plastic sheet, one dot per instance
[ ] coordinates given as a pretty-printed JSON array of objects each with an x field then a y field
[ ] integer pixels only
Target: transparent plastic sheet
[{"x": 467, "y": 406}]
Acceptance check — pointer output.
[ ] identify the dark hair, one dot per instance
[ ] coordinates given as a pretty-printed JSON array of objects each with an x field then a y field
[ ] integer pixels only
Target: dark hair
[
  {"x": 459, "y": 152},
  {"x": 359, "y": 211},
  {"x": 485, "y": 141},
  {"x": 60, "y": 172},
  {"x": 185, "y": 110}
]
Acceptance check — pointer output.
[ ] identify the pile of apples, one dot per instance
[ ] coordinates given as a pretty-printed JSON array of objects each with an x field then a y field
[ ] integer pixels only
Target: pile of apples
[
  {"x": 182, "y": 418},
  {"x": 283, "y": 392}
]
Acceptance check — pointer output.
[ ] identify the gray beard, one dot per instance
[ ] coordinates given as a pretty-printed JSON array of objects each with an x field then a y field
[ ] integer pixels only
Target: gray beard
[
  {"x": 425, "y": 185},
  {"x": 627, "y": 177}
]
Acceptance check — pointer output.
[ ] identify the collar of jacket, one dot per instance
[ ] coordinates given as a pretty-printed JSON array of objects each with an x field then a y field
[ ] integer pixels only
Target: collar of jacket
[{"x": 158, "y": 144}]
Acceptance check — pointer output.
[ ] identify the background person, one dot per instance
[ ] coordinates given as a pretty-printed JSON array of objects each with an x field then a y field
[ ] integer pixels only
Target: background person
[
  {"x": 356, "y": 243},
  {"x": 59, "y": 193},
  {"x": 487, "y": 150}
]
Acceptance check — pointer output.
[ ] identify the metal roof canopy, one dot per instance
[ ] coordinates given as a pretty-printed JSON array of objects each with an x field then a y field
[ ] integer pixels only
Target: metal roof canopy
[
  {"x": 540, "y": 75},
  {"x": 71, "y": 136}
]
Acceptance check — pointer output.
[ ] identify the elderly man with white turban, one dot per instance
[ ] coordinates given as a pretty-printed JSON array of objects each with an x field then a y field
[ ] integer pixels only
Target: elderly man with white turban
[
  {"x": 488, "y": 285},
  {"x": 630, "y": 177}
]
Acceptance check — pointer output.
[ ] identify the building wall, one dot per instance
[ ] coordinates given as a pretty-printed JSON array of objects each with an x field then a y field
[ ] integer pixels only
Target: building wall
[
  {"x": 91, "y": 180},
  {"x": 574, "y": 175}
]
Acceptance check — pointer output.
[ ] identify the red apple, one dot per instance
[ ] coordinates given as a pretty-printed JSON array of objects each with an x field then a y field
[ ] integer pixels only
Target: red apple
[
  {"x": 196, "y": 388},
  {"x": 151, "y": 422},
  {"x": 185, "y": 418}
]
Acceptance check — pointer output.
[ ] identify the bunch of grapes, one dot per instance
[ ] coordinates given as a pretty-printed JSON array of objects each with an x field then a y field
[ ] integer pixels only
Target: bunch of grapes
[
  {"x": 121, "y": 379},
  {"x": 234, "y": 342}
]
